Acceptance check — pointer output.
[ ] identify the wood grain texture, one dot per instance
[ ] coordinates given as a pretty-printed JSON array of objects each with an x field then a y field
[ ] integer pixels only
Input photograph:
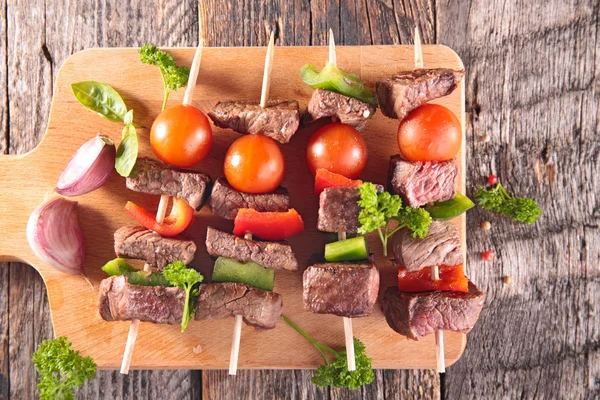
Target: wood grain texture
[{"x": 533, "y": 87}]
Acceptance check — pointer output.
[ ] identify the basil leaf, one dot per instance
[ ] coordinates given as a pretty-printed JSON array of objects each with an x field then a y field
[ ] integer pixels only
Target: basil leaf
[
  {"x": 127, "y": 154},
  {"x": 100, "y": 98},
  {"x": 128, "y": 119}
]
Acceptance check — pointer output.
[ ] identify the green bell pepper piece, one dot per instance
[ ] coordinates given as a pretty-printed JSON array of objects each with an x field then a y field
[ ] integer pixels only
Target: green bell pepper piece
[
  {"x": 353, "y": 249},
  {"x": 449, "y": 209},
  {"x": 250, "y": 273},
  {"x": 119, "y": 266}
]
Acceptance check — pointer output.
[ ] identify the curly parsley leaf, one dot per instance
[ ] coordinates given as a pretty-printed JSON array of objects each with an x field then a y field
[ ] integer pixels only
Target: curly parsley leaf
[
  {"x": 181, "y": 276},
  {"x": 498, "y": 200},
  {"x": 61, "y": 369},
  {"x": 377, "y": 209},
  {"x": 335, "y": 373},
  {"x": 174, "y": 76}
]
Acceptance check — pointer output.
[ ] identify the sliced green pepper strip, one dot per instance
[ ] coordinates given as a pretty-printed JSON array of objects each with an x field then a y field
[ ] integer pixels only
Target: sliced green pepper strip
[
  {"x": 119, "y": 266},
  {"x": 353, "y": 249},
  {"x": 250, "y": 273},
  {"x": 334, "y": 79},
  {"x": 449, "y": 209}
]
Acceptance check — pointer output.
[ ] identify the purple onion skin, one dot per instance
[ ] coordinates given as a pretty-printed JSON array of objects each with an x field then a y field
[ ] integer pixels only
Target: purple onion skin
[
  {"x": 89, "y": 168},
  {"x": 54, "y": 235}
]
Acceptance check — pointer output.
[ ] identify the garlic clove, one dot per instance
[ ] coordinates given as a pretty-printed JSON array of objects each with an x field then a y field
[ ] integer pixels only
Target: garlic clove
[
  {"x": 89, "y": 168},
  {"x": 54, "y": 235}
]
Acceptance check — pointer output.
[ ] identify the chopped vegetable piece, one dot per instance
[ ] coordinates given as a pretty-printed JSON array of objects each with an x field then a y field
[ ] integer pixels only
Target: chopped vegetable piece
[
  {"x": 488, "y": 255},
  {"x": 181, "y": 217},
  {"x": 498, "y": 200},
  {"x": 181, "y": 276},
  {"x": 119, "y": 266},
  {"x": 449, "y": 209},
  {"x": 452, "y": 279},
  {"x": 336, "y": 80},
  {"x": 250, "y": 273},
  {"x": 336, "y": 373},
  {"x": 173, "y": 75},
  {"x": 61, "y": 369},
  {"x": 377, "y": 209},
  {"x": 325, "y": 179},
  {"x": 492, "y": 179},
  {"x": 353, "y": 249},
  {"x": 268, "y": 225}
]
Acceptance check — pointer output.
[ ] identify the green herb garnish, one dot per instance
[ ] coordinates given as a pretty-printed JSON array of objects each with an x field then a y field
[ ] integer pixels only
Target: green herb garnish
[
  {"x": 173, "y": 75},
  {"x": 335, "y": 373},
  {"x": 378, "y": 209},
  {"x": 498, "y": 200},
  {"x": 61, "y": 369},
  {"x": 127, "y": 151},
  {"x": 181, "y": 276}
]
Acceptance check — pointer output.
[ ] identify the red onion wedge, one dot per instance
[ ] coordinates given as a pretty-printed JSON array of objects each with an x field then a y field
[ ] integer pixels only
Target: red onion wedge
[
  {"x": 54, "y": 235},
  {"x": 89, "y": 168}
]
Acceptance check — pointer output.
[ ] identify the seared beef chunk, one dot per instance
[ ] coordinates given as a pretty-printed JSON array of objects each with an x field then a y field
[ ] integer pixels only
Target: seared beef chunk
[
  {"x": 325, "y": 103},
  {"x": 276, "y": 255},
  {"x": 404, "y": 91},
  {"x": 140, "y": 243},
  {"x": 152, "y": 177},
  {"x": 338, "y": 209},
  {"x": 415, "y": 315},
  {"x": 225, "y": 201},
  {"x": 278, "y": 120},
  {"x": 422, "y": 182},
  {"x": 441, "y": 246},
  {"x": 259, "y": 308},
  {"x": 119, "y": 300},
  {"x": 343, "y": 289}
]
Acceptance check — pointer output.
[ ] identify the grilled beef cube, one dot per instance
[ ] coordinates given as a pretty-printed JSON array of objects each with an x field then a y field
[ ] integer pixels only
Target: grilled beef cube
[
  {"x": 225, "y": 201},
  {"x": 152, "y": 177},
  {"x": 339, "y": 209},
  {"x": 415, "y": 315},
  {"x": 404, "y": 91},
  {"x": 119, "y": 300},
  {"x": 140, "y": 243},
  {"x": 259, "y": 308},
  {"x": 343, "y": 289},
  {"x": 422, "y": 182},
  {"x": 279, "y": 120},
  {"x": 275, "y": 255},
  {"x": 325, "y": 103},
  {"x": 441, "y": 246}
]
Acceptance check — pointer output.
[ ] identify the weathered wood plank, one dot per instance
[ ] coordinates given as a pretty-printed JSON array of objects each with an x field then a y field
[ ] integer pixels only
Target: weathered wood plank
[
  {"x": 3, "y": 81},
  {"x": 532, "y": 86}
]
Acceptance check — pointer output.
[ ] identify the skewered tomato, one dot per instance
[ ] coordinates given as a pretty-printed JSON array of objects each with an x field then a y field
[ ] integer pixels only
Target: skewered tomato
[
  {"x": 254, "y": 164},
  {"x": 430, "y": 133},
  {"x": 181, "y": 136},
  {"x": 181, "y": 217},
  {"x": 338, "y": 148}
]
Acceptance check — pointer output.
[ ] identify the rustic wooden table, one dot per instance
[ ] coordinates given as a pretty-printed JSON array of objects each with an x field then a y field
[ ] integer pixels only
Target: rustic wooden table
[{"x": 532, "y": 86}]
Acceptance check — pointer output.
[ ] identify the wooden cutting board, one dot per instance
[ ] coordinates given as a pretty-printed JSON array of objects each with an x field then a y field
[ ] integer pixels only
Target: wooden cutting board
[{"x": 226, "y": 73}]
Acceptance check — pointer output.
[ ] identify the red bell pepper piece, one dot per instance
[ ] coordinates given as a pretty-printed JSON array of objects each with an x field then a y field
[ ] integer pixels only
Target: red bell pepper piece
[
  {"x": 181, "y": 217},
  {"x": 268, "y": 225},
  {"x": 452, "y": 279},
  {"x": 325, "y": 179}
]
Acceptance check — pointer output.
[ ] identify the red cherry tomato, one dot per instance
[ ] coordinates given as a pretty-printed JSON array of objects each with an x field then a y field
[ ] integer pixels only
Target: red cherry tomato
[
  {"x": 430, "y": 133},
  {"x": 488, "y": 255},
  {"x": 254, "y": 164},
  {"x": 338, "y": 148},
  {"x": 181, "y": 136},
  {"x": 492, "y": 179}
]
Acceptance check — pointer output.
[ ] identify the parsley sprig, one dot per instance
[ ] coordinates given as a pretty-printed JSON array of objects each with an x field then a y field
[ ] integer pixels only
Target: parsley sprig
[
  {"x": 335, "y": 373},
  {"x": 498, "y": 200},
  {"x": 181, "y": 276},
  {"x": 378, "y": 209},
  {"x": 61, "y": 369},
  {"x": 174, "y": 76}
]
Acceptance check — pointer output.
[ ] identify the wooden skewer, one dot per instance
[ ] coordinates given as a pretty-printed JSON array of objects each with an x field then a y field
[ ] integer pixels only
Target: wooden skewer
[
  {"x": 162, "y": 210},
  {"x": 435, "y": 275},
  {"x": 348, "y": 334}
]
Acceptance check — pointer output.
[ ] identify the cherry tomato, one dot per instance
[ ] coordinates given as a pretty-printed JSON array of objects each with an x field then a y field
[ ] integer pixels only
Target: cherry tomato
[
  {"x": 488, "y": 255},
  {"x": 254, "y": 164},
  {"x": 339, "y": 149},
  {"x": 181, "y": 136},
  {"x": 492, "y": 179},
  {"x": 430, "y": 133}
]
